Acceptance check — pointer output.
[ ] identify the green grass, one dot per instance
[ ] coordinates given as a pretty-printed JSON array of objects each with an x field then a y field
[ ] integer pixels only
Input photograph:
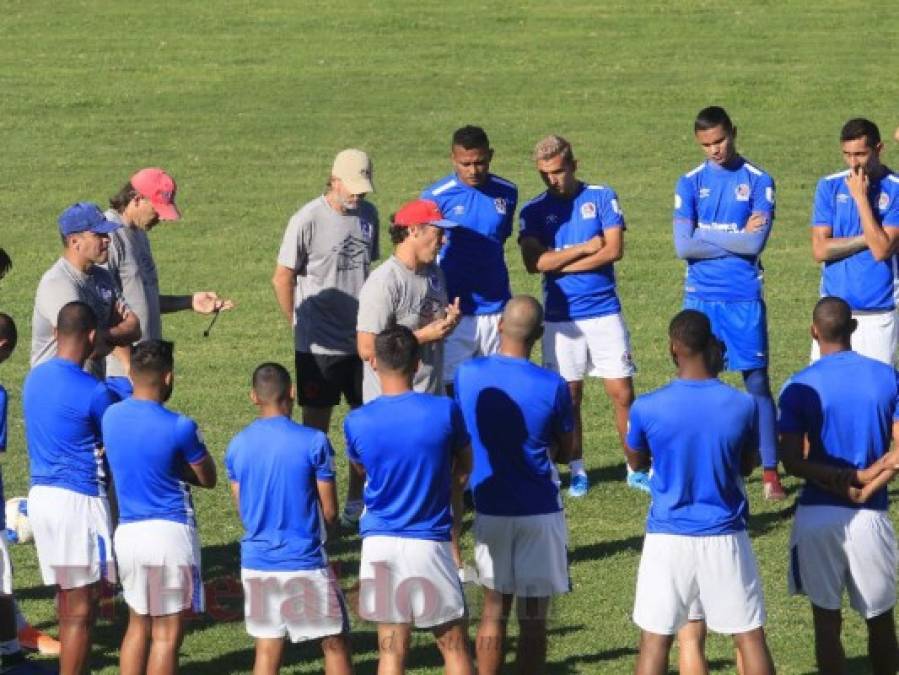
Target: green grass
[{"x": 247, "y": 103}]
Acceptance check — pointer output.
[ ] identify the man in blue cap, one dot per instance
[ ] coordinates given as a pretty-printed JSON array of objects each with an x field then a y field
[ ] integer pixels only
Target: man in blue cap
[{"x": 76, "y": 276}]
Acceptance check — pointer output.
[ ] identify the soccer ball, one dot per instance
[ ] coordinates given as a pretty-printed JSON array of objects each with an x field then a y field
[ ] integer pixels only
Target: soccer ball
[{"x": 18, "y": 527}]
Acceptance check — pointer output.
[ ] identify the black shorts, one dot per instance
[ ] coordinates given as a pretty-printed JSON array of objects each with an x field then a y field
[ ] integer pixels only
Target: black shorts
[{"x": 322, "y": 378}]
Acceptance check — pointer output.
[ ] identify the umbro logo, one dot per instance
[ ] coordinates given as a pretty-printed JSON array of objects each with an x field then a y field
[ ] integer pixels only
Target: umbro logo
[{"x": 704, "y": 192}]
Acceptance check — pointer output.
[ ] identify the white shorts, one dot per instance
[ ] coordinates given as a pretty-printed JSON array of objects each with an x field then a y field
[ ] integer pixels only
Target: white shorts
[
  {"x": 72, "y": 535},
  {"x": 836, "y": 547},
  {"x": 413, "y": 581},
  {"x": 5, "y": 568},
  {"x": 719, "y": 571},
  {"x": 302, "y": 604},
  {"x": 598, "y": 347},
  {"x": 875, "y": 336},
  {"x": 474, "y": 336},
  {"x": 525, "y": 556},
  {"x": 159, "y": 567}
]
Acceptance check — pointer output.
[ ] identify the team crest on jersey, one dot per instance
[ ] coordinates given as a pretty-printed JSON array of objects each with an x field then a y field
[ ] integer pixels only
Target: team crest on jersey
[
  {"x": 769, "y": 194},
  {"x": 842, "y": 198},
  {"x": 458, "y": 209},
  {"x": 742, "y": 192},
  {"x": 500, "y": 205},
  {"x": 704, "y": 192},
  {"x": 367, "y": 229},
  {"x": 883, "y": 202},
  {"x": 588, "y": 210}
]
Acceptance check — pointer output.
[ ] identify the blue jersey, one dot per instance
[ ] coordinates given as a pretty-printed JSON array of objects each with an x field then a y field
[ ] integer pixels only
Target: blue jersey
[
  {"x": 846, "y": 403},
  {"x": 407, "y": 444},
  {"x": 63, "y": 406},
  {"x": 859, "y": 279},
  {"x": 514, "y": 411},
  {"x": 718, "y": 201},
  {"x": 559, "y": 223},
  {"x": 697, "y": 488},
  {"x": 472, "y": 259},
  {"x": 276, "y": 464},
  {"x": 148, "y": 447}
]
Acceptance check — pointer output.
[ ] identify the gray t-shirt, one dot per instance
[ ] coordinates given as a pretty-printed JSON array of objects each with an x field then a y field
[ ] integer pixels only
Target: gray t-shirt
[
  {"x": 64, "y": 283},
  {"x": 392, "y": 295},
  {"x": 330, "y": 254},
  {"x": 134, "y": 271}
]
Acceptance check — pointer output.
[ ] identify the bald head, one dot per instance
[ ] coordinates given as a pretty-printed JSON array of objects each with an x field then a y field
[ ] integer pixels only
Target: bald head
[
  {"x": 522, "y": 319},
  {"x": 832, "y": 321}
]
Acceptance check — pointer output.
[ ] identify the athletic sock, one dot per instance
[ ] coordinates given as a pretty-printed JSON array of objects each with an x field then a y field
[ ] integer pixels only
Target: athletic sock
[
  {"x": 576, "y": 466},
  {"x": 769, "y": 475}
]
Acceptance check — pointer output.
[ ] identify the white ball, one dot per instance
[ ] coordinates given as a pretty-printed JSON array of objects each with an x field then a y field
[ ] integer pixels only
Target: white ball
[{"x": 18, "y": 527}]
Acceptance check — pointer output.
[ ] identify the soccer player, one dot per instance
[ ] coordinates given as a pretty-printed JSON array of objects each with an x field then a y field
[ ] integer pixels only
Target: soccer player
[
  {"x": 67, "y": 505},
  {"x": 855, "y": 232},
  {"x": 282, "y": 477},
  {"x": 414, "y": 452},
  {"x": 325, "y": 256},
  {"x": 154, "y": 453},
  {"x": 520, "y": 420},
  {"x": 573, "y": 234},
  {"x": 77, "y": 276},
  {"x": 843, "y": 408},
  {"x": 696, "y": 547},
  {"x": 723, "y": 213},
  {"x": 147, "y": 198},
  {"x": 473, "y": 261},
  {"x": 408, "y": 289}
]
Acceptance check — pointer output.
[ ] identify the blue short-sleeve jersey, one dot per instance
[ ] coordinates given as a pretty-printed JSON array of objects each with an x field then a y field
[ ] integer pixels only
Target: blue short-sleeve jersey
[
  {"x": 865, "y": 283},
  {"x": 846, "y": 404},
  {"x": 148, "y": 447},
  {"x": 721, "y": 199},
  {"x": 697, "y": 488},
  {"x": 472, "y": 258},
  {"x": 277, "y": 463},
  {"x": 406, "y": 443},
  {"x": 63, "y": 407},
  {"x": 558, "y": 223},
  {"x": 514, "y": 411}
]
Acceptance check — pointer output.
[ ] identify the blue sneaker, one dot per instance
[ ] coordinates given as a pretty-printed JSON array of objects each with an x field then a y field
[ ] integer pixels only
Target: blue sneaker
[
  {"x": 579, "y": 485},
  {"x": 639, "y": 480}
]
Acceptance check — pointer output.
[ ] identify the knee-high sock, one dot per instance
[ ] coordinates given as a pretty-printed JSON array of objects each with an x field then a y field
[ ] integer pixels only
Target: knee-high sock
[{"x": 757, "y": 384}]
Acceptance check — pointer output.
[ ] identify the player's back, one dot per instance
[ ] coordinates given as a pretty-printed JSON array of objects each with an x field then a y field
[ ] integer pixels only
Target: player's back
[
  {"x": 406, "y": 444},
  {"x": 276, "y": 462},
  {"x": 847, "y": 402},
  {"x": 514, "y": 411},
  {"x": 146, "y": 446},
  {"x": 697, "y": 432},
  {"x": 63, "y": 406}
]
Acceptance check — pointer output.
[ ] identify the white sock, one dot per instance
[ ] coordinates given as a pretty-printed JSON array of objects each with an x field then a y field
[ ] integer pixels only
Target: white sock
[{"x": 576, "y": 466}]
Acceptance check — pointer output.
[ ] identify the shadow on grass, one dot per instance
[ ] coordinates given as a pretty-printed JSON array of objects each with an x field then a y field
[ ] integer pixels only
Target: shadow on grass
[
  {"x": 855, "y": 665},
  {"x": 603, "y": 549},
  {"x": 577, "y": 663}
]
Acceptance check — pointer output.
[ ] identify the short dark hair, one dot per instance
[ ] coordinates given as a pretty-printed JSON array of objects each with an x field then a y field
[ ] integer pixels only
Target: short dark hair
[
  {"x": 5, "y": 263},
  {"x": 153, "y": 358},
  {"x": 471, "y": 138},
  {"x": 271, "y": 382},
  {"x": 833, "y": 319},
  {"x": 397, "y": 233},
  {"x": 711, "y": 117},
  {"x": 8, "y": 330},
  {"x": 123, "y": 197},
  {"x": 75, "y": 318},
  {"x": 693, "y": 330},
  {"x": 397, "y": 350},
  {"x": 859, "y": 127}
]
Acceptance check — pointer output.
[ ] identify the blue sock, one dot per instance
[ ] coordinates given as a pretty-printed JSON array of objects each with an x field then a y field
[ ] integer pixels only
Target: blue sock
[{"x": 757, "y": 384}]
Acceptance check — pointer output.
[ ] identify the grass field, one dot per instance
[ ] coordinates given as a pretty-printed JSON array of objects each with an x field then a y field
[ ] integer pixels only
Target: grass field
[{"x": 246, "y": 104}]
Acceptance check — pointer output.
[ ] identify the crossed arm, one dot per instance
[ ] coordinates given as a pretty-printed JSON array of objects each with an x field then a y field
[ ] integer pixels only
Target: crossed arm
[{"x": 589, "y": 255}]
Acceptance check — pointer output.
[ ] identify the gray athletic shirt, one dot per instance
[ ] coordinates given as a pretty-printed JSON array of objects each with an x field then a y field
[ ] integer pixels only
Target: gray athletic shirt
[
  {"x": 61, "y": 284},
  {"x": 134, "y": 271},
  {"x": 392, "y": 295},
  {"x": 330, "y": 254}
]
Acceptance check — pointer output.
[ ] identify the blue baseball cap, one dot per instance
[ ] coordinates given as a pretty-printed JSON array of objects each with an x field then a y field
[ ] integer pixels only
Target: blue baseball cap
[{"x": 85, "y": 217}]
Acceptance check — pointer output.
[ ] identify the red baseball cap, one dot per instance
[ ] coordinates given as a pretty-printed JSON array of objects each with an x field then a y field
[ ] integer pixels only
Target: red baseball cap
[
  {"x": 421, "y": 212},
  {"x": 159, "y": 187}
]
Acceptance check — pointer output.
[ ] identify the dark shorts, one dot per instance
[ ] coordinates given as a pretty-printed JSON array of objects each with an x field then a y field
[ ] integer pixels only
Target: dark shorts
[{"x": 322, "y": 378}]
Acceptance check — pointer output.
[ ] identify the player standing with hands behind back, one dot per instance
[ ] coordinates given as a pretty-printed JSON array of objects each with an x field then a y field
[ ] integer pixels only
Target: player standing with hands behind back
[{"x": 723, "y": 213}]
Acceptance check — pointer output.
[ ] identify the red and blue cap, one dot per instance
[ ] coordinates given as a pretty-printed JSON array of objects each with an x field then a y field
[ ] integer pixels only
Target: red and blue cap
[{"x": 421, "y": 212}]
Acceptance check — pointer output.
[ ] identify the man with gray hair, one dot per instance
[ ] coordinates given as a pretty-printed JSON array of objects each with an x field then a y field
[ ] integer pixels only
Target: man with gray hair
[
  {"x": 573, "y": 234},
  {"x": 325, "y": 256}
]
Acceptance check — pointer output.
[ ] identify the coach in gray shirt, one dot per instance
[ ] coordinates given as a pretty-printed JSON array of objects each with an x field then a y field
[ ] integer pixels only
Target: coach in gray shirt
[
  {"x": 147, "y": 198},
  {"x": 77, "y": 276},
  {"x": 409, "y": 290}
]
